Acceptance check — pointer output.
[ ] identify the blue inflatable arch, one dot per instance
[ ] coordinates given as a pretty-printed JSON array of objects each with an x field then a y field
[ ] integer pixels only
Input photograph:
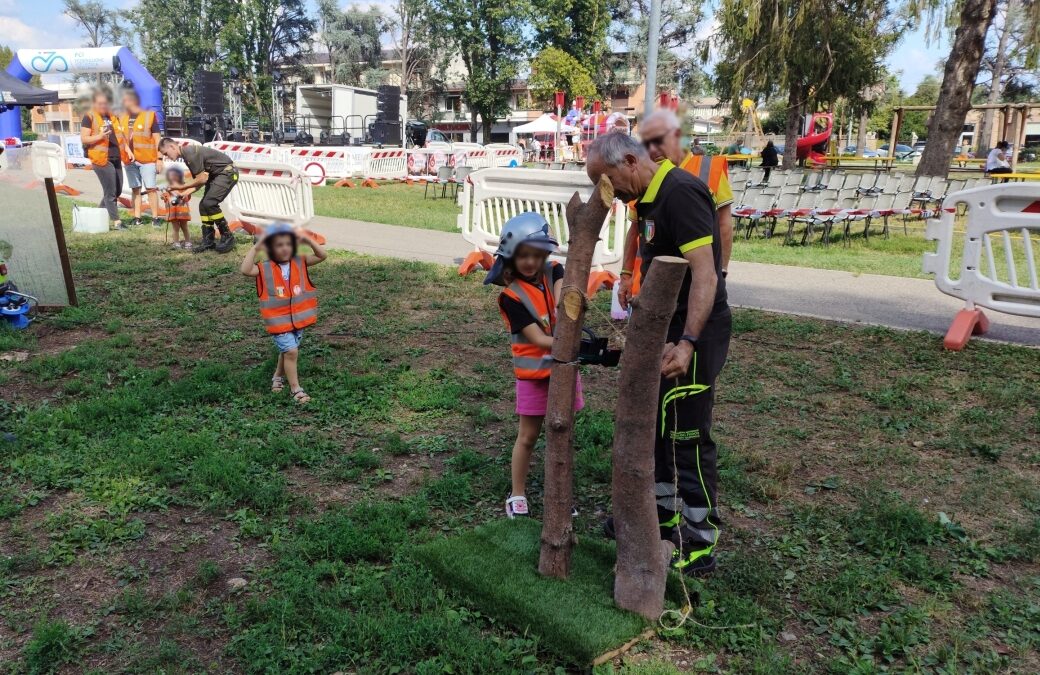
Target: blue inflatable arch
[{"x": 29, "y": 62}]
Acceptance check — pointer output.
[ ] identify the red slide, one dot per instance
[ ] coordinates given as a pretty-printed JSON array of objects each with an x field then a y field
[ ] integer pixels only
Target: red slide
[{"x": 820, "y": 127}]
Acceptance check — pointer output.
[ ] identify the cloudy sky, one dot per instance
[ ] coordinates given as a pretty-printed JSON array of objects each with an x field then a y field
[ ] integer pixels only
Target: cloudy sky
[{"x": 41, "y": 24}]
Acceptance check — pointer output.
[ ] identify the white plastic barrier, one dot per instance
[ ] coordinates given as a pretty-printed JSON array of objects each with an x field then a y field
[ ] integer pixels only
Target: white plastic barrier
[
  {"x": 1006, "y": 217},
  {"x": 319, "y": 163},
  {"x": 251, "y": 152},
  {"x": 505, "y": 154},
  {"x": 48, "y": 161},
  {"x": 493, "y": 196},
  {"x": 426, "y": 161},
  {"x": 387, "y": 164},
  {"x": 478, "y": 159},
  {"x": 271, "y": 192}
]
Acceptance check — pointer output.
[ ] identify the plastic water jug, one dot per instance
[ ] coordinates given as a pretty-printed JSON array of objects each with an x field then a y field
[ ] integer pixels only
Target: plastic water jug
[{"x": 89, "y": 220}]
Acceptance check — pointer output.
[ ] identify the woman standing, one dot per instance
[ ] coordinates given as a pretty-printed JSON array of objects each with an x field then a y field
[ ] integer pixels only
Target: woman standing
[
  {"x": 770, "y": 159},
  {"x": 100, "y": 133}
]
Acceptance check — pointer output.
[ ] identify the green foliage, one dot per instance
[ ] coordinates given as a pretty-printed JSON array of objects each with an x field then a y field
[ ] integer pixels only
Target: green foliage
[
  {"x": 577, "y": 27},
  {"x": 555, "y": 70},
  {"x": 352, "y": 38},
  {"x": 53, "y": 644}
]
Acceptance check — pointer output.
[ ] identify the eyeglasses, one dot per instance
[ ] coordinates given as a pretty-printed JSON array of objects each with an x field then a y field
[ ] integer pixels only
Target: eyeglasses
[{"x": 650, "y": 142}]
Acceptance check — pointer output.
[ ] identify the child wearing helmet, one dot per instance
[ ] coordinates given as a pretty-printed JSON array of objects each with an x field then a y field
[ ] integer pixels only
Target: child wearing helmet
[
  {"x": 288, "y": 299},
  {"x": 178, "y": 213},
  {"x": 528, "y": 305}
]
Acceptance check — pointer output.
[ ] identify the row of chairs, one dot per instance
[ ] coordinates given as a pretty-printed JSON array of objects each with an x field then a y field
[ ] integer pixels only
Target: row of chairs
[
  {"x": 448, "y": 177},
  {"x": 824, "y": 200}
]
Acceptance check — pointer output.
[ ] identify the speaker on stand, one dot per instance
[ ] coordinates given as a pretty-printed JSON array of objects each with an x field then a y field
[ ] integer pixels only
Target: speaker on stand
[{"x": 386, "y": 130}]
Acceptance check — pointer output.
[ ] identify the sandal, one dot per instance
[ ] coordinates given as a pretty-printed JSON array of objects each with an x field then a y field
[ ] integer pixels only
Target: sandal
[
  {"x": 277, "y": 383},
  {"x": 300, "y": 396}
]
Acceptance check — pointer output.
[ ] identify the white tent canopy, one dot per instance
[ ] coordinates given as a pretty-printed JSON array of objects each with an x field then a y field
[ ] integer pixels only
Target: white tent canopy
[{"x": 543, "y": 125}]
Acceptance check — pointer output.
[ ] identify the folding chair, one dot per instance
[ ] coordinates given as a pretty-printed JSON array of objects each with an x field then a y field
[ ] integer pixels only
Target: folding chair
[
  {"x": 444, "y": 174},
  {"x": 461, "y": 174},
  {"x": 755, "y": 204}
]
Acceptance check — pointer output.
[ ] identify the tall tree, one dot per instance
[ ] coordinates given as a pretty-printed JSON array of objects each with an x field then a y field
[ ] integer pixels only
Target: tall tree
[
  {"x": 679, "y": 19},
  {"x": 555, "y": 70},
  {"x": 352, "y": 38},
  {"x": 972, "y": 19},
  {"x": 409, "y": 28},
  {"x": 488, "y": 35},
  {"x": 578, "y": 27},
  {"x": 811, "y": 52},
  {"x": 100, "y": 24},
  {"x": 999, "y": 64}
]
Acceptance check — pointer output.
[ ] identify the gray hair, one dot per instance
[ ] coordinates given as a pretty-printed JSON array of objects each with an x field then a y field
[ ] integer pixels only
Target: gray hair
[
  {"x": 671, "y": 121},
  {"x": 613, "y": 148}
]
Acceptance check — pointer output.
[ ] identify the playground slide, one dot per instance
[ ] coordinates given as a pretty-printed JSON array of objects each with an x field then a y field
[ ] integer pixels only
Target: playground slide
[{"x": 821, "y": 126}]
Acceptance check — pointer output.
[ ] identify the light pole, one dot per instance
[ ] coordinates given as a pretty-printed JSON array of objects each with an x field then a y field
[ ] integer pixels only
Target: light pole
[
  {"x": 652, "y": 38},
  {"x": 559, "y": 115}
]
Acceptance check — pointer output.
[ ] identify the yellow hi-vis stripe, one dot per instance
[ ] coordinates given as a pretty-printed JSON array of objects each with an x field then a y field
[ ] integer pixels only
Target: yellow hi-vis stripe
[
  {"x": 696, "y": 243},
  {"x": 209, "y": 219}
]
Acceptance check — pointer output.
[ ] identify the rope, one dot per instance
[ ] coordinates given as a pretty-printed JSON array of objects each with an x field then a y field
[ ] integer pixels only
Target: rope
[{"x": 674, "y": 619}]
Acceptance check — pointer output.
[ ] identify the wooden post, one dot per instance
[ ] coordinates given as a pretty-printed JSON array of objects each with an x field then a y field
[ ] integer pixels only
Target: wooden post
[
  {"x": 642, "y": 557},
  {"x": 1020, "y": 138},
  {"x": 896, "y": 121},
  {"x": 59, "y": 236},
  {"x": 585, "y": 222}
]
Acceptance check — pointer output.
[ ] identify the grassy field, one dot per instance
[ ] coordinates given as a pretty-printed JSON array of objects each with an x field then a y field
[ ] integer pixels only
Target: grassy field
[
  {"x": 162, "y": 512},
  {"x": 390, "y": 203}
]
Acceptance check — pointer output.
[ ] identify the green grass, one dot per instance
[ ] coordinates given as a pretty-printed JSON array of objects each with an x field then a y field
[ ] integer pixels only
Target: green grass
[
  {"x": 880, "y": 495},
  {"x": 390, "y": 203},
  {"x": 496, "y": 568}
]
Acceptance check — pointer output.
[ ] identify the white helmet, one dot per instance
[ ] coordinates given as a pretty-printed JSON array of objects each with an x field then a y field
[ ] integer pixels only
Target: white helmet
[{"x": 529, "y": 228}]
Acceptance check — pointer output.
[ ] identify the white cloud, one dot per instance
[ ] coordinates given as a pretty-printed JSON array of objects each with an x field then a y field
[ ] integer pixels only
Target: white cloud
[{"x": 18, "y": 34}]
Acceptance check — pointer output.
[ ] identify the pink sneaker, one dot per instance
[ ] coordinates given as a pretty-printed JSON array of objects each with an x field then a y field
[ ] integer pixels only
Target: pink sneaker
[{"x": 516, "y": 507}]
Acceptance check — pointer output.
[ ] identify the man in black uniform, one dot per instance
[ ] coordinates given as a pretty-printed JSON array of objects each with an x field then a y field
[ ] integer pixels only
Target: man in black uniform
[
  {"x": 214, "y": 170},
  {"x": 677, "y": 218}
]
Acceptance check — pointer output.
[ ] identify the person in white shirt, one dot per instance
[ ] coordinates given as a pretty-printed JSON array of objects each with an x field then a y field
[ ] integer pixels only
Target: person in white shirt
[{"x": 996, "y": 161}]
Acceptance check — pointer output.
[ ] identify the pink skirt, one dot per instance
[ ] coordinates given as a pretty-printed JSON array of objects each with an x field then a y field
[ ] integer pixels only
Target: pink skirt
[{"x": 532, "y": 396}]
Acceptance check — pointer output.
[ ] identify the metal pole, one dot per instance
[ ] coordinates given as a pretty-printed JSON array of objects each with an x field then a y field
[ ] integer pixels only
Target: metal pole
[{"x": 652, "y": 39}]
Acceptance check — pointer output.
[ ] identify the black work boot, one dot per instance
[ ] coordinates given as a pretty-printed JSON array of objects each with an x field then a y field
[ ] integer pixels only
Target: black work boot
[
  {"x": 207, "y": 240},
  {"x": 227, "y": 240}
]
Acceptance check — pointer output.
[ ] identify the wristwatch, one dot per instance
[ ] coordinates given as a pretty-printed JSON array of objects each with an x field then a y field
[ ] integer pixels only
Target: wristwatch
[{"x": 692, "y": 339}]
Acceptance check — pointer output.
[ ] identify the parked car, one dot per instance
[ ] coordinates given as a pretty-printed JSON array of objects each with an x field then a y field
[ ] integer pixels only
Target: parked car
[
  {"x": 867, "y": 152},
  {"x": 919, "y": 147},
  {"x": 902, "y": 151}
]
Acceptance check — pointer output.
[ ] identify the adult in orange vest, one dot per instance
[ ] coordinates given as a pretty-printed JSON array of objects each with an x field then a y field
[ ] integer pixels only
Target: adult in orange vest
[
  {"x": 140, "y": 153},
  {"x": 100, "y": 134},
  {"x": 661, "y": 136},
  {"x": 288, "y": 299}
]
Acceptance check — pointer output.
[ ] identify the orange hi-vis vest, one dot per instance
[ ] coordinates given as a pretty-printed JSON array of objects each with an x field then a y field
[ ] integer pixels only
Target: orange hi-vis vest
[
  {"x": 180, "y": 212},
  {"x": 531, "y": 362},
  {"x": 286, "y": 306},
  {"x": 97, "y": 152},
  {"x": 140, "y": 138},
  {"x": 710, "y": 171}
]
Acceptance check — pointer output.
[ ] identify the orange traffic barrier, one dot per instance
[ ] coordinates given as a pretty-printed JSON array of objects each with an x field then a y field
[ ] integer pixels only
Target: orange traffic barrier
[
  {"x": 369, "y": 182},
  {"x": 601, "y": 279},
  {"x": 345, "y": 182}
]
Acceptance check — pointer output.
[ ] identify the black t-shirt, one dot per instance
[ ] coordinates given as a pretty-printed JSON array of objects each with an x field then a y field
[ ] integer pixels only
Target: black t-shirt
[
  {"x": 113, "y": 144},
  {"x": 677, "y": 215},
  {"x": 518, "y": 316},
  {"x": 199, "y": 158}
]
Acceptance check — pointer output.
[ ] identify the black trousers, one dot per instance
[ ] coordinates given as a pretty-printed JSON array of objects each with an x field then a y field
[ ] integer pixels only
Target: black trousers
[
  {"x": 111, "y": 178},
  {"x": 684, "y": 453},
  {"x": 217, "y": 189}
]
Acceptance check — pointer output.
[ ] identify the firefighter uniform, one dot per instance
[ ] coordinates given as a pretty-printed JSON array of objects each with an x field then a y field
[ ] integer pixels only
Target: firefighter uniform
[
  {"x": 222, "y": 179},
  {"x": 676, "y": 214}
]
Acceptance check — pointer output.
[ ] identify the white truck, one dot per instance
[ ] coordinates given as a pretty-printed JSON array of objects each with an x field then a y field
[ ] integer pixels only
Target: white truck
[{"x": 335, "y": 114}]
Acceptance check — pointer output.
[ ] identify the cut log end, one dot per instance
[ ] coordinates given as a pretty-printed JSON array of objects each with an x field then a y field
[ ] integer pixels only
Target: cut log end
[{"x": 605, "y": 190}]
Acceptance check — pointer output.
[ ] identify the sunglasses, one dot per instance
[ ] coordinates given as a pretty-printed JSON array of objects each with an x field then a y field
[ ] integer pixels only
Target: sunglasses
[{"x": 650, "y": 142}]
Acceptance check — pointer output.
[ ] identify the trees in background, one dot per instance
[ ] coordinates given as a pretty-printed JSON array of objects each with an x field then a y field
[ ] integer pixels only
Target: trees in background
[
  {"x": 555, "y": 70},
  {"x": 577, "y": 27},
  {"x": 488, "y": 36},
  {"x": 352, "y": 39},
  {"x": 811, "y": 52}
]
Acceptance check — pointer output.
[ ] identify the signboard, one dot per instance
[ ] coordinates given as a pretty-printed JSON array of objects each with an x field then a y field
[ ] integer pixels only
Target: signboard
[
  {"x": 73, "y": 146},
  {"x": 58, "y": 61}
]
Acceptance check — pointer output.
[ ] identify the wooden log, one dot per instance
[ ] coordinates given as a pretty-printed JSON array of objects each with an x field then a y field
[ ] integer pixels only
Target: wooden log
[
  {"x": 585, "y": 221},
  {"x": 642, "y": 557}
]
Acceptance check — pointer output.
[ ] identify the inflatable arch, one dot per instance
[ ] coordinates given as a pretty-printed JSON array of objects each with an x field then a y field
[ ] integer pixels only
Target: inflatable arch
[{"x": 29, "y": 62}]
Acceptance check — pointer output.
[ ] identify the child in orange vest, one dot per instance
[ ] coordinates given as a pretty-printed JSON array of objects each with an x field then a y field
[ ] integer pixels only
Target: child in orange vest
[
  {"x": 528, "y": 306},
  {"x": 288, "y": 299},
  {"x": 178, "y": 213}
]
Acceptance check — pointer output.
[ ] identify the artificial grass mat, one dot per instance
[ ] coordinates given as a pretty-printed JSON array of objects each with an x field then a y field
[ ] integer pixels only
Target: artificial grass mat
[{"x": 495, "y": 566}]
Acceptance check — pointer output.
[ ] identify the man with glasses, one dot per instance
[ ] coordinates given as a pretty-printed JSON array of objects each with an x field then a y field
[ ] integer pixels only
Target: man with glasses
[
  {"x": 662, "y": 137},
  {"x": 676, "y": 217}
]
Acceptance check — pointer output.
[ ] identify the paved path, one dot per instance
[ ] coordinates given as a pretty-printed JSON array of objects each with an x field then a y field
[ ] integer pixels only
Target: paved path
[{"x": 897, "y": 302}]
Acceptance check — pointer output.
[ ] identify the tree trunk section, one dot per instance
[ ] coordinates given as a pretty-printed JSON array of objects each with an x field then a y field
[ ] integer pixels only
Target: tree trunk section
[
  {"x": 861, "y": 132},
  {"x": 962, "y": 67},
  {"x": 585, "y": 221},
  {"x": 642, "y": 557},
  {"x": 794, "y": 122}
]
